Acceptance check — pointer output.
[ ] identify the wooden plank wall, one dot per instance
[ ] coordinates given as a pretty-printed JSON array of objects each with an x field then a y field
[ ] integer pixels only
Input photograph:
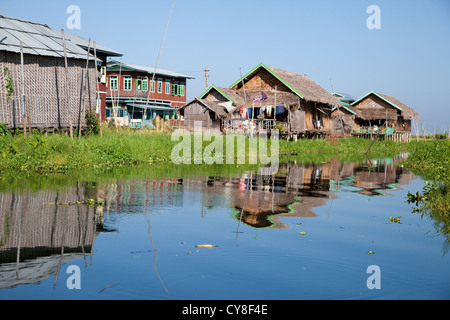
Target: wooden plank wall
[{"x": 197, "y": 112}]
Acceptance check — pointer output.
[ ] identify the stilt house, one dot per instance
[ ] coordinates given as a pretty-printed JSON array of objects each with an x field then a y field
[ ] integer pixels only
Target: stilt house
[
  {"x": 296, "y": 102},
  {"x": 382, "y": 114},
  {"x": 44, "y": 90},
  {"x": 267, "y": 98}
]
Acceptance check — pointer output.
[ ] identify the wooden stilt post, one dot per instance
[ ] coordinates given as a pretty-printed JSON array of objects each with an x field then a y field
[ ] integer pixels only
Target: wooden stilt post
[
  {"x": 275, "y": 108},
  {"x": 243, "y": 88},
  {"x": 69, "y": 112},
  {"x": 87, "y": 66},
  {"x": 23, "y": 93},
  {"x": 98, "y": 92}
]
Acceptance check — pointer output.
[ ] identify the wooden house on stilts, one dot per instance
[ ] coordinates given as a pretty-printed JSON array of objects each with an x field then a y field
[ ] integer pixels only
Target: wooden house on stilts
[
  {"x": 35, "y": 82},
  {"x": 266, "y": 98},
  {"x": 383, "y": 115}
]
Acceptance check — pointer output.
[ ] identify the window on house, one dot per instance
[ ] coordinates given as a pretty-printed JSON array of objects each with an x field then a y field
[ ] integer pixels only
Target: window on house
[
  {"x": 142, "y": 84},
  {"x": 145, "y": 84},
  {"x": 178, "y": 89},
  {"x": 175, "y": 88},
  {"x": 113, "y": 83},
  {"x": 181, "y": 90},
  {"x": 167, "y": 87},
  {"x": 152, "y": 86},
  {"x": 127, "y": 83},
  {"x": 160, "y": 85}
]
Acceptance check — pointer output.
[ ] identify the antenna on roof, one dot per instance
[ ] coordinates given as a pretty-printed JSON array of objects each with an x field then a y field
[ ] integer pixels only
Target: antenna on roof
[{"x": 206, "y": 76}]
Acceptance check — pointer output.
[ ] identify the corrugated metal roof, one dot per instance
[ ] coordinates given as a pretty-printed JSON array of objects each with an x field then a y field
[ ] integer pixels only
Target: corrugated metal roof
[
  {"x": 84, "y": 43},
  {"x": 37, "y": 39},
  {"x": 116, "y": 65}
]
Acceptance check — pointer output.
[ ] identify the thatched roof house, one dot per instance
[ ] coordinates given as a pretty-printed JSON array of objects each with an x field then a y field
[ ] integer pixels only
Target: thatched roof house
[
  {"x": 215, "y": 93},
  {"x": 380, "y": 109},
  {"x": 209, "y": 112},
  {"x": 307, "y": 106},
  {"x": 272, "y": 94},
  {"x": 343, "y": 118},
  {"x": 50, "y": 100},
  {"x": 264, "y": 77}
]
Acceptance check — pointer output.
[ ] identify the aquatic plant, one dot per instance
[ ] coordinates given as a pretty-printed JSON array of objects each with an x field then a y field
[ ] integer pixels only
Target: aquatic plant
[{"x": 430, "y": 160}]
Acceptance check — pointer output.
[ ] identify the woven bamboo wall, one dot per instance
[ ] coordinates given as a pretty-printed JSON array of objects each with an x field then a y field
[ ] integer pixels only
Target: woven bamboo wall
[
  {"x": 374, "y": 108},
  {"x": 263, "y": 80},
  {"x": 46, "y": 97}
]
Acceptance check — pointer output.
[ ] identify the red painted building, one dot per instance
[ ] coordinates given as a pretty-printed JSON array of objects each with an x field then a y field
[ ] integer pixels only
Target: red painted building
[
  {"x": 103, "y": 54},
  {"x": 133, "y": 90}
]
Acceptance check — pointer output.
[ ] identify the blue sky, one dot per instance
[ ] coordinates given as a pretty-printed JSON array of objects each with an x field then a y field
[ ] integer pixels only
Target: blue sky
[{"x": 408, "y": 58}]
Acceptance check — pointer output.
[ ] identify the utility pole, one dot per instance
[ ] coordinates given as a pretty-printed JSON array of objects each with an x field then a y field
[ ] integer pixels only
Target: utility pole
[{"x": 206, "y": 77}]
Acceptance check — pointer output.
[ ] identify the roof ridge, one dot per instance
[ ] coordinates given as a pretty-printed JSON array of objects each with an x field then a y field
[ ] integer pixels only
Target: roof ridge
[{"x": 27, "y": 21}]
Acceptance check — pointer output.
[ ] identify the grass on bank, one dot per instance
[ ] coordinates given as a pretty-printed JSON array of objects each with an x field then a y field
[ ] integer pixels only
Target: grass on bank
[{"x": 125, "y": 146}]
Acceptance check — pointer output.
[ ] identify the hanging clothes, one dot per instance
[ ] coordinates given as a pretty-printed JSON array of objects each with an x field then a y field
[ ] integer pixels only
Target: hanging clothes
[
  {"x": 262, "y": 110},
  {"x": 243, "y": 112},
  {"x": 249, "y": 113},
  {"x": 279, "y": 109},
  {"x": 269, "y": 111}
]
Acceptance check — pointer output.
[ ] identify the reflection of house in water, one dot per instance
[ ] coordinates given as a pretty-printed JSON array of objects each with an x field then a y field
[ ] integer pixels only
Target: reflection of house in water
[
  {"x": 157, "y": 192},
  {"x": 372, "y": 177},
  {"x": 293, "y": 192},
  {"x": 39, "y": 231},
  {"x": 260, "y": 201}
]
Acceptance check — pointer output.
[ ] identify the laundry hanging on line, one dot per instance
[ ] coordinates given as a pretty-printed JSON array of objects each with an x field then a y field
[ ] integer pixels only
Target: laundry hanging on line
[
  {"x": 243, "y": 112},
  {"x": 279, "y": 109}
]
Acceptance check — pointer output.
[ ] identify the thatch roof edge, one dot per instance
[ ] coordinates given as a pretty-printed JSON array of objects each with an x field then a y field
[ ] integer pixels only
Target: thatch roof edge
[
  {"x": 301, "y": 85},
  {"x": 406, "y": 111}
]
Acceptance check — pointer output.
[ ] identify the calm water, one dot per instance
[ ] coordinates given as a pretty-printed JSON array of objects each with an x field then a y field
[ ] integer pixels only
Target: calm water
[{"x": 309, "y": 233}]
